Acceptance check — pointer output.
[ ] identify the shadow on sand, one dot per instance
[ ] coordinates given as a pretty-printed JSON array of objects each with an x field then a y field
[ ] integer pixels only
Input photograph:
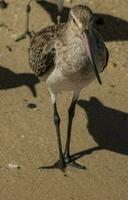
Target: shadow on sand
[
  {"x": 112, "y": 28},
  {"x": 107, "y": 126},
  {"x": 9, "y": 79}
]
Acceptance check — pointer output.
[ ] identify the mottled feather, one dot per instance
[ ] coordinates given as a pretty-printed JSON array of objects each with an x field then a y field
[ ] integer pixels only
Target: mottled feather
[
  {"x": 59, "y": 53},
  {"x": 42, "y": 52}
]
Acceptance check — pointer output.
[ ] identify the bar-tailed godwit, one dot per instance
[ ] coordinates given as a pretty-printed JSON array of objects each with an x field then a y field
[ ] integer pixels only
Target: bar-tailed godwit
[{"x": 67, "y": 57}]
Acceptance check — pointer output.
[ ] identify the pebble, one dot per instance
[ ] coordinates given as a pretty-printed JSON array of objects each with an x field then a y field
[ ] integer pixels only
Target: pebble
[
  {"x": 31, "y": 105},
  {"x": 14, "y": 36},
  {"x": 13, "y": 166},
  {"x": 9, "y": 48},
  {"x": 112, "y": 85},
  {"x": 112, "y": 65}
]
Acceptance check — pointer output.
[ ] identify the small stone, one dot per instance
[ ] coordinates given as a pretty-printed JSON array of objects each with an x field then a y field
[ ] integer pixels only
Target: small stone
[
  {"x": 13, "y": 36},
  {"x": 2, "y": 25},
  {"x": 112, "y": 85},
  {"x": 31, "y": 105},
  {"x": 13, "y": 166},
  {"x": 112, "y": 65},
  {"x": 9, "y": 48}
]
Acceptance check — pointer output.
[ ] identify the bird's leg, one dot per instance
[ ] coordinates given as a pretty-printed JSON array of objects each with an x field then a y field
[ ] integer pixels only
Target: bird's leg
[
  {"x": 60, "y": 9},
  {"x": 67, "y": 157},
  {"x": 27, "y": 32},
  {"x": 58, "y": 18},
  {"x": 71, "y": 113},
  {"x": 61, "y": 163}
]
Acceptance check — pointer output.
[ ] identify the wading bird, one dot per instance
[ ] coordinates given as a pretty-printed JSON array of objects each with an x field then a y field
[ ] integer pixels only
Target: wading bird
[
  {"x": 28, "y": 9},
  {"x": 67, "y": 57}
]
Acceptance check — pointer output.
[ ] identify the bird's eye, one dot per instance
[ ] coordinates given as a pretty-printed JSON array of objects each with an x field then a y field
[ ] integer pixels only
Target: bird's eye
[{"x": 75, "y": 22}]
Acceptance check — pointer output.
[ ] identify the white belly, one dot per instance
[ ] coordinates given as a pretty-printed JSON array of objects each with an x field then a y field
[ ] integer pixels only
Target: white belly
[{"x": 57, "y": 82}]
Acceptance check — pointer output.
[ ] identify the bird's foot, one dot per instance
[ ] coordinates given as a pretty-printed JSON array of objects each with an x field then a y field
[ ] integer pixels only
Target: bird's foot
[
  {"x": 62, "y": 164},
  {"x": 70, "y": 162},
  {"x": 58, "y": 165},
  {"x": 25, "y": 35}
]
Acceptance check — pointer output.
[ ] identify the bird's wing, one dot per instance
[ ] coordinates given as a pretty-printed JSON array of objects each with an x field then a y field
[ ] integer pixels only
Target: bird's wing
[
  {"x": 42, "y": 51},
  {"x": 101, "y": 54}
]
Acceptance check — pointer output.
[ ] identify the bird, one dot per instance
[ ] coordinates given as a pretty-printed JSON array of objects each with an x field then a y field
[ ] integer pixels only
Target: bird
[
  {"x": 67, "y": 57},
  {"x": 27, "y": 32}
]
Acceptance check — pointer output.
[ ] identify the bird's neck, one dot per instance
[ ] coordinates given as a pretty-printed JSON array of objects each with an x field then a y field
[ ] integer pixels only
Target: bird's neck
[{"x": 71, "y": 32}]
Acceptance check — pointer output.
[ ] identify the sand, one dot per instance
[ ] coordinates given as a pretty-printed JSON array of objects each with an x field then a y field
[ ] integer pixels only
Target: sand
[{"x": 100, "y": 128}]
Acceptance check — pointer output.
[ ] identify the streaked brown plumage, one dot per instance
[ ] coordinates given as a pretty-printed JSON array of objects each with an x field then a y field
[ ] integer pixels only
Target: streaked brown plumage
[{"x": 63, "y": 57}]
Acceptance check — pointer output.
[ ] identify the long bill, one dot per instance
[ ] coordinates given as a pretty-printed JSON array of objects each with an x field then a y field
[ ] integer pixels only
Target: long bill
[{"x": 90, "y": 54}]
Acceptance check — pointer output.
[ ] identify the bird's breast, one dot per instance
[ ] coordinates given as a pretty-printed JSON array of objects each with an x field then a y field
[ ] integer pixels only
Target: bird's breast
[
  {"x": 72, "y": 58},
  {"x": 73, "y": 68}
]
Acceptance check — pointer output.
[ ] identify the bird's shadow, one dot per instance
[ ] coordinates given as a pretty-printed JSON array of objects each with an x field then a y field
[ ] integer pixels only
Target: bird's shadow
[
  {"x": 52, "y": 10},
  {"x": 112, "y": 28},
  {"x": 107, "y": 126},
  {"x": 10, "y": 79}
]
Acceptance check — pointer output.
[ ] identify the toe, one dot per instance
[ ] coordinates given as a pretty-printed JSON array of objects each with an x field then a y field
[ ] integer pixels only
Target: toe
[{"x": 76, "y": 165}]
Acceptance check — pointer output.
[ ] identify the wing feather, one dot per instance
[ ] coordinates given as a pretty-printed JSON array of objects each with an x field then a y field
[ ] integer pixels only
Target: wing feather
[{"x": 42, "y": 51}]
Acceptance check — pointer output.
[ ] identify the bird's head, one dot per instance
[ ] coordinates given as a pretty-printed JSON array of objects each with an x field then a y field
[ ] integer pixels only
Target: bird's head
[
  {"x": 81, "y": 21},
  {"x": 81, "y": 18}
]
